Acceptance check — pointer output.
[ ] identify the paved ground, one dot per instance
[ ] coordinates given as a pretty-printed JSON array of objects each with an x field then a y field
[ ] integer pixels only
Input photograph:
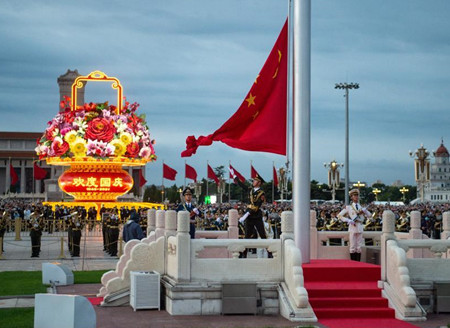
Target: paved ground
[{"x": 17, "y": 257}]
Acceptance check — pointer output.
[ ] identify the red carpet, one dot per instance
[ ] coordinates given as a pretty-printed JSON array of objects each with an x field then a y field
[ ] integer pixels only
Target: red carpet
[
  {"x": 344, "y": 294},
  {"x": 95, "y": 300}
]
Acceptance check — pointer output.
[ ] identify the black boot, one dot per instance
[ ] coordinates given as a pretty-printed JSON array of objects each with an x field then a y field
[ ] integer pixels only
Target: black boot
[
  {"x": 352, "y": 256},
  {"x": 358, "y": 257}
]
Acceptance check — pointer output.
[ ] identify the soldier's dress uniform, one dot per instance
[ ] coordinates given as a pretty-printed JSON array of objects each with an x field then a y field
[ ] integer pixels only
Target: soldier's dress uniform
[
  {"x": 355, "y": 215},
  {"x": 3, "y": 220},
  {"x": 193, "y": 212},
  {"x": 113, "y": 234},
  {"x": 76, "y": 227},
  {"x": 36, "y": 224}
]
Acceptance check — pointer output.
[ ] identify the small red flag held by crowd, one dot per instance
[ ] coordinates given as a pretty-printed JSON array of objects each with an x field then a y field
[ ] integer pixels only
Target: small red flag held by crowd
[
  {"x": 275, "y": 177},
  {"x": 234, "y": 172},
  {"x": 39, "y": 172},
  {"x": 260, "y": 122},
  {"x": 190, "y": 173},
  {"x": 169, "y": 173},
  {"x": 142, "y": 180},
  {"x": 13, "y": 175},
  {"x": 212, "y": 175}
]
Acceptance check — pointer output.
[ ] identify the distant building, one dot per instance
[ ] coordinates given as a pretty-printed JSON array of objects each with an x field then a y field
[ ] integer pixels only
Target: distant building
[
  {"x": 397, "y": 183},
  {"x": 438, "y": 190},
  {"x": 17, "y": 151}
]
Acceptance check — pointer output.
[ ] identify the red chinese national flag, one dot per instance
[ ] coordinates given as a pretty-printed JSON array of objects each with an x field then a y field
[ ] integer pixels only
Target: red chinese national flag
[
  {"x": 275, "y": 177},
  {"x": 253, "y": 172},
  {"x": 260, "y": 122},
  {"x": 39, "y": 172},
  {"x": 13, "y": 175},
  {"x": 169, "y": 173},
  {"x": 190, "y": 173},
  {"x": 233, "y": 171},
  {"x": 212, "y": 175},
  {"x": 142, "y": 180}
]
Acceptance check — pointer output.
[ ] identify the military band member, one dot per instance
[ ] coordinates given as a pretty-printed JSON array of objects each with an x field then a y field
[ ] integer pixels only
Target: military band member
[
  {"x": 76, "y": 226},
  {"x": 354, "y": 214},
  {"x": 193, "y": 211},
  {"x": 113, "y": 234},
  {"x": 36, "y": 224}
]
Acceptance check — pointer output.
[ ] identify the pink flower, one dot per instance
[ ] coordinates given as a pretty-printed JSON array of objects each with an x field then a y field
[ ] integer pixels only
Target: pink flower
[{"x": 145, "y": 152}]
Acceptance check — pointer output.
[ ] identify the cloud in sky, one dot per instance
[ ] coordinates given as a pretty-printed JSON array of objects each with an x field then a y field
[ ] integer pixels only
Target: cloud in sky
[{"x": 190, "y": 64}]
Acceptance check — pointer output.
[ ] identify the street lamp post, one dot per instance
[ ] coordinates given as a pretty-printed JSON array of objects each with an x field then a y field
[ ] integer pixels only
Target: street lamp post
[
  {"x": 376, "y": 191},
  {"x": 346, "y": 87},
  {"x": 404, "y": 190},
  {"x": 333, "y": 177},
  {"x": 421, "y": 168}
]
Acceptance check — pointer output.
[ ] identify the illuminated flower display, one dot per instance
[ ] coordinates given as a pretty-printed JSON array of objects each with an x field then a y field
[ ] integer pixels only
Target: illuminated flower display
[{"x": 97, "y": 131}]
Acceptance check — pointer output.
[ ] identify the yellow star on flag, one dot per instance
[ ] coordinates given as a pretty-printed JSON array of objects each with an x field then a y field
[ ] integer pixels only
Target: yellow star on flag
[{"x": 250, "y": 100}]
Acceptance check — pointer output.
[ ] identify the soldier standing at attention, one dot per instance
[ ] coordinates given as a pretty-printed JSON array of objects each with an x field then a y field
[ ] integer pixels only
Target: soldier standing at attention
[
  {"x": 76, "y": 225},
  {"x": 354, "y": 214},
  {"x": 193, "y": 211},
  {"x": 253, "y": 218},
  {"x": 36, "y": 225},
  {"x": 114, "y": 232}
]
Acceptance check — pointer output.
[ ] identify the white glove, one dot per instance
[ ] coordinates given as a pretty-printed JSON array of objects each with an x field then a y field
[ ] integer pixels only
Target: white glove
[
  {"x": 196, "y": 211},
  {"x": 351, "y": 222},
  {"x": 242, "y": 219}
]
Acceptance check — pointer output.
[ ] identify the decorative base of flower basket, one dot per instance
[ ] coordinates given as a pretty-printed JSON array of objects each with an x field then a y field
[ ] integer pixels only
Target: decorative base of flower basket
[{"x": 95, "y": 181}]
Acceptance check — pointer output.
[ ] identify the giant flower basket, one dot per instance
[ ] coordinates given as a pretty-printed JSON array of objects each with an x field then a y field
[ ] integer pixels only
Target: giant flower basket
[{"x": 96, "y": 140}]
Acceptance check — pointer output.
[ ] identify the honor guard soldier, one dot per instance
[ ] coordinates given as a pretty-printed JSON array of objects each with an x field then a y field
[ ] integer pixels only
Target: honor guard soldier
[
  {"x": 106, "y": 217},
  {"x": 354, "y": 214},
  {"x": 36, "y": 224},
  {"x": 3, "y": 218},
  {"x": 113, "y": 233},
  {"x": 253, "y": 218},
  {"x": 76, "y": 225},
  {"x": 193, "y": 211}
]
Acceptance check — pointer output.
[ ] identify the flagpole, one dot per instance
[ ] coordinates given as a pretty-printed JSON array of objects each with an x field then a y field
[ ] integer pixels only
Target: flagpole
[
  {"x": 273, "y": 183},
  {"x": 229, "y": 182},
  {"x": 289, "y": 86},
  {"x": 301, "y": 167},
  {"x": 34, "y": 179},
  {"x": 207, "y": 192},
  {"x": 162, "y": 183},
  {"x": 184, "y": 174}
]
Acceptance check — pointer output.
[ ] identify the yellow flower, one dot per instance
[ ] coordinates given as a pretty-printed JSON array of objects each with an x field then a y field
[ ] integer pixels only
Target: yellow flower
[
  {"x": 126, "y": 138},
  {"x": 78, "y": 147},
  {"x": 70, "y": 137},
  {"x": 119, "y": 147}
]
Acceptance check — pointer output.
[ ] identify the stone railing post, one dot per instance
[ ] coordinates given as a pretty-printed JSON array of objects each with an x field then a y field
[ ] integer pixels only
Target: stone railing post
[
  {"x": 183, "y": 252},
  {"x": 415, "y": 233},
  {"x": 171, "y": 224},
  {"x": 233, "y": 230},
  {"x": 313, "y": 234},
  {"x": 151, "y": 220},
  {"x": 160, "y": 223},
  {"x": 445, "y": 225},
  {"x": 287, "y": 226},
  {"x": 388, "y": 234}
]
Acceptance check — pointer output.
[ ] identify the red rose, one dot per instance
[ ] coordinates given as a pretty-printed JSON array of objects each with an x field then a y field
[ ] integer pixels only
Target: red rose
[
  {"x": 100, "y": 129},
  {"x": 49, "y": 132},
  {"x": 133, "y": 150},
  {"x": 59, "y": 148}
]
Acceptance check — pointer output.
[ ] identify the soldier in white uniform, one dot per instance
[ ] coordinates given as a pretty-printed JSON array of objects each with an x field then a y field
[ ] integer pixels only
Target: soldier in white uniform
[{"x": 354, "y": 214}]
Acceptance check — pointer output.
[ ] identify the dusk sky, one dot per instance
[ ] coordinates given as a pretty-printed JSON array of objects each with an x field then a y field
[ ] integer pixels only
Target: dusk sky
[{"x": 191, "y": 63}]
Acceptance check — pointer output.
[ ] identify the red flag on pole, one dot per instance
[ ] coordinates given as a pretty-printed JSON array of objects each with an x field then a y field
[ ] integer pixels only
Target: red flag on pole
[
  {"x": 212, "y": 175},
  {"x": 253, "y": 172},
  {"x": 142, "y": 180},
  {"x": 190, "y": 173},
  {"x": 234, "y": 172},
  {"x": 260, "y": 122},
  {"x": 13, "y": 175},
  {"x": 275, "y": 177},
  {"x": 169, "y": 173},
  {"x": 39, "y": 172}
]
